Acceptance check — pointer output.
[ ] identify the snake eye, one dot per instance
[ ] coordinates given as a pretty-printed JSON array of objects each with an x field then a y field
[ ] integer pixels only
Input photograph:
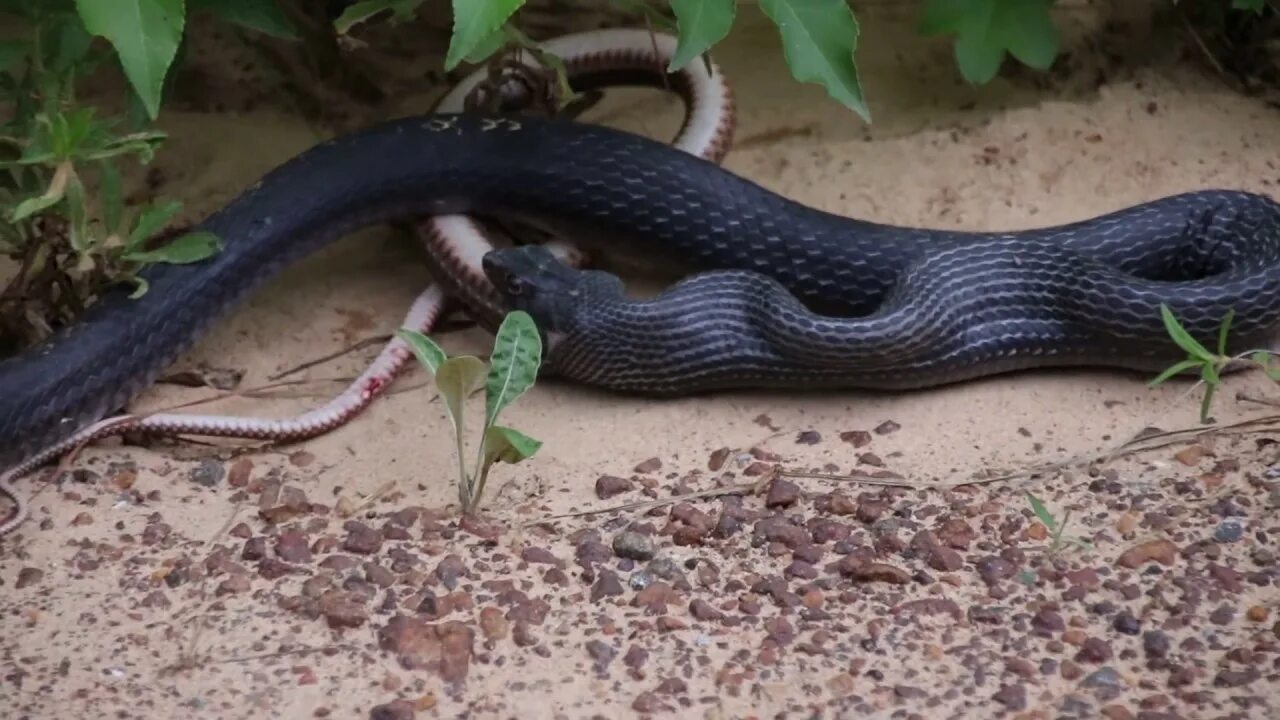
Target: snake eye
[{"x": 514, "y": 285}]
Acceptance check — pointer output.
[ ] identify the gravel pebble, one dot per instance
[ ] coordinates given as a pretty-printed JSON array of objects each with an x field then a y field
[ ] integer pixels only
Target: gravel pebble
[{"x": 633, "y": 546}]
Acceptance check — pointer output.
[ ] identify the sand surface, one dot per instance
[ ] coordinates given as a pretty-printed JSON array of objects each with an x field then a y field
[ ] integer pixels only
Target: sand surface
[{"x": 139, "y": 587}]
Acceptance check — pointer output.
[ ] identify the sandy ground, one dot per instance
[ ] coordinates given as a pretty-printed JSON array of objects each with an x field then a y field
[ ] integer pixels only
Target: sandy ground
[{"x": 190, "y": 579}]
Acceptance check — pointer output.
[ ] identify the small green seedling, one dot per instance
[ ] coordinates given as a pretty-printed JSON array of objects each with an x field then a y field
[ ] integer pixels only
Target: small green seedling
[
  {"x": 1056, "y": 529},
  {"x": 1211, "y": 365},
  {"x": 516, "y": 358}
]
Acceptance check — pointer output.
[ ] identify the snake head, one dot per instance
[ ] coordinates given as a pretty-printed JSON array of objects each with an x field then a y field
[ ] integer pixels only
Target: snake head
[{"x": 531, "y": 278}]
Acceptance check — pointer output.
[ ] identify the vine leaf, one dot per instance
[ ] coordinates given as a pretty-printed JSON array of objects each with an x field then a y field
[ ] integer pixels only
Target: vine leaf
[
  {"x": 819, "y": 38},
  {"x": 701, "y": 24},
  {"x": 145, "y": 34},
  {"x": 474, "y": 24},
  {"x": 986, "y": 30}
]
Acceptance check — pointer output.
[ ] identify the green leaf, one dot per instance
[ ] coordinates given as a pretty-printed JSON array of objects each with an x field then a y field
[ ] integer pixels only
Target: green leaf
[
  {"x": 359, "y": 12},
  {"x": 986, "y": 29},
  {"x": 264, "y": 16},
  {"x": 427, "y": 351},
  {"x": 150, "y": 221},
  {"x": 140, "y": 287},
  {"x": 652, "y": 14},
  {"x": 1177, "y": 369},
  {"x": 517, "y": 354},
  {"x": 145, "y": 33},
  {"x": 457, "y": 378},
  {"x": 185, "y": 249},
  {"x": 111, "y": 197},
  {"x": 1206, "y": 402},
  {"x": 701, "y": 24},
  {"x": 508, "y": 445},
  {"x": 819, "y": 38},
  {"x": 473, "y": 24},
  {"x": 1182, "y": 337},
  {"x": 1254, "y": 5},
  {"x": 1042, "y": 512},
  {"x": 1222, "y": 331},
  {"x": 56, "y": 190},
  {"x": 487, "y": 47}
]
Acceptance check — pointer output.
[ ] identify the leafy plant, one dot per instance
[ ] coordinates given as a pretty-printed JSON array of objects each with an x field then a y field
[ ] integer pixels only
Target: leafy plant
[
  {"x": 1056, "y": 529},
  {"x": 1210, "y": 364},
  {"x": 516, "y": 357}
]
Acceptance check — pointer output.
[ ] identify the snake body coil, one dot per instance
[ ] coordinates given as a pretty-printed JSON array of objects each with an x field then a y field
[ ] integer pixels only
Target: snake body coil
[{"x": 943, "y": 305}]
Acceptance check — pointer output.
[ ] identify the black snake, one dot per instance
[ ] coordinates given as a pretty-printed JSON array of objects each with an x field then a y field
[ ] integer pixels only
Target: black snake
[{"x": 799, "y": 297}]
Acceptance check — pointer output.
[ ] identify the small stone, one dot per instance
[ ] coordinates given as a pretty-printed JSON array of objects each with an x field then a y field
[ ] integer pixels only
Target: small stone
[
  {"x": 343, "y": 609},
  {"x": 633, "y": 546},
  {"x": 82, "y": 519},
  {"x": 782, "y": 493},
  {"x": 238, "y": 476},
  {"x": 1104, "y": 677},
  {"x": 886, "y": 427},
  {"x": 234, "y": 584},
  {"x": 718, "y": 459},
  {"x": 361, "y": 538},
  {"x": 1228, "y": 531},
  {"x": 1161, "y": 551},
  {"x": 608, "y": 486},
  {"x": 602, "y": 654},
  {"x": 254, "y": 549},
  {"x": 703, "y": 610},
  {"x": 1155, "y": 643},
  {"x": 493, "y": 624},
  {"x": 1126, "y": 623},
  {"x": 1257, "y": 613},
  {"x": 537, "y": 555},
  {"x": 607, "y": 585},
  {"x": 808, "y": 437},
  {"x": 207, "y": 473},
  {"x": 394, "y": 710},
  {"x": 292, "y": 547},
  {"x": 1013, "y": 697},
  {"x": 1094, "y": 650},
  {"x": 28, "y": 576},
  {"x": 1222, "y": 615},
  {"x": 856, "y": 438},
  {"x": 876, "y": 572},
  {"x": 651, "y": 465}
]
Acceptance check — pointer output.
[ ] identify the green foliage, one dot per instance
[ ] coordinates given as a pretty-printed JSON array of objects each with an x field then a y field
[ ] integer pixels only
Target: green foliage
[
  {"x": 819, "y": 38},
  {"x": 516, "y": 358},
  {"x": 700, "y": 24},
  {"x": 986, "y": 29},
  {"x": 1210, "y": 364},
  {"x": 145, "y": 34},
  {"x": 1056, "y": 529}
]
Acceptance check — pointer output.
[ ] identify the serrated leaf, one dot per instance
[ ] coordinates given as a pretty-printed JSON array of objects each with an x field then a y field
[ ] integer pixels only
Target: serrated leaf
[
  {"x": 700, "y": 24},
  {"x": 508, "y": 445},
  {"x": 1042, "y": 512},
  {"x": 359, "y": 12},
  {"x": 474, "y": 23},
  {"x": 185, "y": 249},
  {"x": 1182, "y": 337},
  {"x": 264, "y": 16},
  {"x": 424, "y": 348},
  {"x": 819, "y": 39},
  {"x": 145, "y": 34},
  {"x": 516, "y": 357},
  {"x": 1176, "y": 369},
  {"x": 457, "y": 378},
  {"x": 150, "y": 221}
]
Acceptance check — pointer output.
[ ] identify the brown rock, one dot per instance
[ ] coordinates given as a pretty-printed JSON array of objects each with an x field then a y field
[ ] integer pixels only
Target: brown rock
[
  {"x": 808, "y": 437},
  {"x": 1161, "y": 551},
  {"x": 537, "y": 555},
  {"x": 238, "y": 475},
  {"x": 718, "y": 459},
  {"x": 875, "y": 572},
  {"x": 887, "y": 427},
  {"x": 394, "y": 710},
  {"x": 782, "y": 493},
  {"x": 28, "y": 576},
  {"x": 445, "y": 648},
  {"x": 494, "y": 626},
  {"x": 292, "y": 547},
  {"x": 361, "y": 539},
  {"x": 856, "y": 438},
  {"x": 703, "y": 610},
  {"x": 608, "y": 486},
  {"x": 342, "y": 609},
  {"x": 651, "y": 465},
  {"x": 607, "y": 585}
]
